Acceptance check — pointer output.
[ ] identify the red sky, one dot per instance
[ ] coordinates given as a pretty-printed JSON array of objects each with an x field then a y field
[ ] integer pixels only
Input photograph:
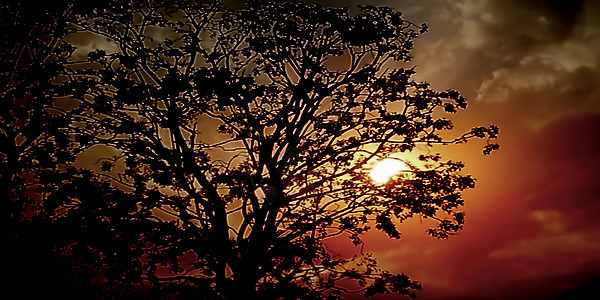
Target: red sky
[{"x": 532, "y": 229}]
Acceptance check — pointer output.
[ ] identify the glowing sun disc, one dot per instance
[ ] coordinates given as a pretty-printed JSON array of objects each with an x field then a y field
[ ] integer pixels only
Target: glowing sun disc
[{"x": 385, "y": 169}]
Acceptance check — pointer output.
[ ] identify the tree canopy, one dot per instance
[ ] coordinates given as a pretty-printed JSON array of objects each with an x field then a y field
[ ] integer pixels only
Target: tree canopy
[{"x": 239, "y": 143}]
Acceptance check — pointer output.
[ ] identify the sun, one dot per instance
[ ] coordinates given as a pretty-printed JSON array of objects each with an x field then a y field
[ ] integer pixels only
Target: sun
[{"x": 383, "y": 170}]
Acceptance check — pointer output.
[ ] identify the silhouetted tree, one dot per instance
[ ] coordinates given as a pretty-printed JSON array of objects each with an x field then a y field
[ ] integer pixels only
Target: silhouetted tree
[
  {"x": 243, "y": 141},
  {"x": 30, "y": 132},
  {"x": 35, "y": 148}
]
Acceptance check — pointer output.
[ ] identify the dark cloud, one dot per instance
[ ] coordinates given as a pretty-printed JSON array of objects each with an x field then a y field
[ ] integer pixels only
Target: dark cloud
[{"x": 537, "y": 54}]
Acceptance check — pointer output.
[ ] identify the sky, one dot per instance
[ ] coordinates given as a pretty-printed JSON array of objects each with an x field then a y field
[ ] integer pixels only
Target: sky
[{"x": 532, "y": 225}]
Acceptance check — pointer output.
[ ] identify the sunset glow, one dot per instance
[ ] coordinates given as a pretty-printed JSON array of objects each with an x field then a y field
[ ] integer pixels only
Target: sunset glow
[
  {"x": 383, "y": 170},
  {"x": 301, "y": 149}
]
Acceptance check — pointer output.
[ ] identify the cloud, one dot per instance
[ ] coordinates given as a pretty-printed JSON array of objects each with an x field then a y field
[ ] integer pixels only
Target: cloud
[
  {"x": 547, "y": 247},
  {"x": 544, "y": 75},
  {"x": 85, "y": 42},
  {"x": 540, "y": 55}
]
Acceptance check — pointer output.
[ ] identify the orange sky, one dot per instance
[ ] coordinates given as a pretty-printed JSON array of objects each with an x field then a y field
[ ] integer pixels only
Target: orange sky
[{"x": 532, "y": 228}]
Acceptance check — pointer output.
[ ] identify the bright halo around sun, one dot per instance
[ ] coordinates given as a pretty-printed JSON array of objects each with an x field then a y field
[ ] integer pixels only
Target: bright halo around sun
[{"x": 383, "y": 170}]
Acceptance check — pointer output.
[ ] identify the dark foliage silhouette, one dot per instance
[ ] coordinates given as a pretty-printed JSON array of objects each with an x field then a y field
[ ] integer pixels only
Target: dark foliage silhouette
[
  {"x": 240, "y": 143},
  {"x": 35, "y": 150}
]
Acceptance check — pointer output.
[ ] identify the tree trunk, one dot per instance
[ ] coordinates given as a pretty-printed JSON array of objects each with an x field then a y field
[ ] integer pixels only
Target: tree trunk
[{"x": 245, "y": 281}]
